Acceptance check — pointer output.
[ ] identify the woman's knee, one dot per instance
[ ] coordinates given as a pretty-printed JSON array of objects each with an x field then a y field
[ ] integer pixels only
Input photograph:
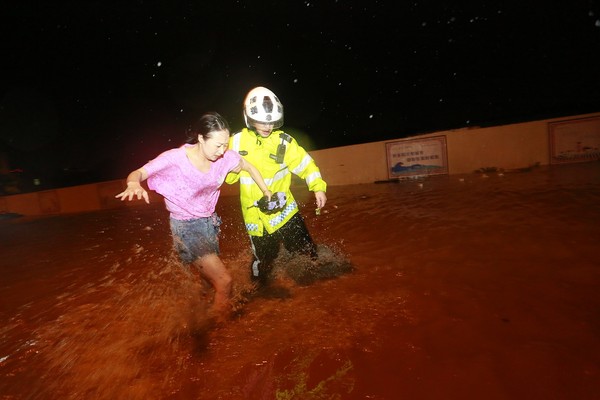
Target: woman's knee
[{"x": 226, "y": 280}]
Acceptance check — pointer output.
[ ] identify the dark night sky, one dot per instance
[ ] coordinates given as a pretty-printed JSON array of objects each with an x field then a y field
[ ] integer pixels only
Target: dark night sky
[{"x": 92, "y": 89}]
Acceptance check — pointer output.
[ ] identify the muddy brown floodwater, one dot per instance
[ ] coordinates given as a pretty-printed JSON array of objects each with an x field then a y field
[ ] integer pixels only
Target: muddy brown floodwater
[{"x": 464, "y": 287}]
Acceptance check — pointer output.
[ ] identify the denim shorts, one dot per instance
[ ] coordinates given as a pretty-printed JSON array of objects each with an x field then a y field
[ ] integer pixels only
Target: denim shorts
[{"x": 196, "y": 237}]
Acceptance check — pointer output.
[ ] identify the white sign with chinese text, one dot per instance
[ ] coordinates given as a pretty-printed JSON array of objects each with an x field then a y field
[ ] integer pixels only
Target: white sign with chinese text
[
  {"x": 576, "y": 140},
  {"x": 417, "y": 157}
]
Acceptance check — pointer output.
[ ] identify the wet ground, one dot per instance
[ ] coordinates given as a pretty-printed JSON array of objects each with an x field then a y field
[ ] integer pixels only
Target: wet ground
[{"x": 481, "y": 286}]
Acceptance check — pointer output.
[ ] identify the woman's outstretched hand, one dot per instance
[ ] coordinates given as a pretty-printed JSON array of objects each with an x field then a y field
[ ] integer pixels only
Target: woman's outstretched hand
[{"x": 134, "y": 189}]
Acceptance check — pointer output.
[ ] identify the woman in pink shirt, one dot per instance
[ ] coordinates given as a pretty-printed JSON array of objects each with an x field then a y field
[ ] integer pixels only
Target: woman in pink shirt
[{"x": 189, "y": 178}]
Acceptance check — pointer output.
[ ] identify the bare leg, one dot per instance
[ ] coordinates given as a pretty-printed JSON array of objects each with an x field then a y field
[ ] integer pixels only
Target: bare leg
[{"x": 213, "y": 270}]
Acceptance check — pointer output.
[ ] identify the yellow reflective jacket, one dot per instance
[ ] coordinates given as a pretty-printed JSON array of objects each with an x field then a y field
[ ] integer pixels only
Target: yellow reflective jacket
[{"x": 262, "y": 152}]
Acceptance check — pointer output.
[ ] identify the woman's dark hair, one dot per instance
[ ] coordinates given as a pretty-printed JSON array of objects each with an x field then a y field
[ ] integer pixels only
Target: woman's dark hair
[{"x": 205, "y": 126}]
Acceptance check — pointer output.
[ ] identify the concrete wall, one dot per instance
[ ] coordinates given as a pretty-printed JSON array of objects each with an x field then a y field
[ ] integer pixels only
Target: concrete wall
[{"x": 507, "y": 147}]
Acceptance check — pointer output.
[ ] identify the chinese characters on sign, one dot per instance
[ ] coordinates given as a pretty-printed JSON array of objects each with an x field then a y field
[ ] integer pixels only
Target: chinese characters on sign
[
  {"x": 417, "y": 157},
  {"x": 576, "y": 140}
]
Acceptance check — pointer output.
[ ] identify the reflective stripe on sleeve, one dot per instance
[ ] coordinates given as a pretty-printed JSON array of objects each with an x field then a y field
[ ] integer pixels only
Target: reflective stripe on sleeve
[
  {"x": 312, "y": 177},
  {"x": 302, "y": 166},
  {"x": 235, "y": 143}
]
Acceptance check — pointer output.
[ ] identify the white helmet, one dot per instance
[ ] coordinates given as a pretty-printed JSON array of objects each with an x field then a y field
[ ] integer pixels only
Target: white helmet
[{"x": 263, "y": 107}]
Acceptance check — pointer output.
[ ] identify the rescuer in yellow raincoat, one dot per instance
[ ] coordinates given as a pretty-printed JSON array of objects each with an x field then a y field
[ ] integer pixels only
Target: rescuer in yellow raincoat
[{"x": 277, "y": 156}]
